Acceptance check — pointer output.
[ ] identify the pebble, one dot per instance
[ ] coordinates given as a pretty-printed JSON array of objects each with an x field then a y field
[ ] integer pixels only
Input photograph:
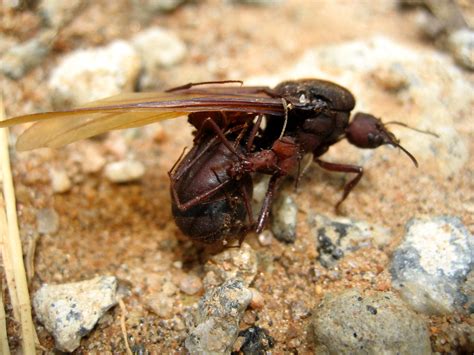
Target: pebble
[
  {"x": 148, "y": 8},
  {"x": 468, "y": 289},
  {"x": 60, "y": 181},
  {"x": 232, "y": 263},
  {"x": 57, "y": 13},
  {"x": 265, "y": 238},
  {"x": 257, "y": 301},
  {"x": 254, "y": 340},
  {"x": 91, "y": 74},
  {"x": 70, "y": 311},
  {"x": 47, "y": 220},
  {"x": 284, "y": 212},
  {"x": 19, "y": 59},
  {"x": 218, "y": 316},
  {"x": 337, "y": 237},
  {"x": 89, "y": 156},
  {"x": 124, "y": 171},
  {"x": 299, "y": 310},
  {"x": 377, "y": 323},
  {"x": 159, "y": 49},
  {"x": 160, "y": 304},
  {"x": 461, "y": 45},
  {"x": 190, "y": 284},
  {"x": 432, "y": 263}
]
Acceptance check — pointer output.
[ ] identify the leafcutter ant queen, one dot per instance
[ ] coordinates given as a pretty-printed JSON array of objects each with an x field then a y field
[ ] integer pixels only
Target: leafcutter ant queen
[{"x": 211, "y": 186}]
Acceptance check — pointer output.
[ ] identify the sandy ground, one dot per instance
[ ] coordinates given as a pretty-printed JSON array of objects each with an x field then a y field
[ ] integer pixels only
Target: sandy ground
[{"x": 128, "y": 231}]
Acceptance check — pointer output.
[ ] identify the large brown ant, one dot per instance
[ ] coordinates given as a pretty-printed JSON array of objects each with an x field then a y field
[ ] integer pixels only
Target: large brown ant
[{"x": 211, "y": 186}]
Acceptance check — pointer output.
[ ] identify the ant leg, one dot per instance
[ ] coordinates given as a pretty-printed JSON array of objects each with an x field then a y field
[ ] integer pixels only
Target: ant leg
[
  {"x": 171, "y": 171},
  {"x": 248, "y": 207},
  {"x": 197, "y": 199},
  {"x": 253, "y": 133},
  {"x": 222, "y": 137},
  {"x": 343, "y": 168},
  {"x": 190, "y": 85},
  {"x": 267, "y": 202}
]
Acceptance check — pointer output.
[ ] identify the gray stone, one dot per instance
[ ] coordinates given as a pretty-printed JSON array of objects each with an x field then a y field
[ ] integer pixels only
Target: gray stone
[
  {"x": 91, "y": 74},
  {"x": 432, "y": 263},
  {"x": 337, "y": 237},
  {"x": 124, "y": 171},
  {"x": 47, "y": 221},
  {"x": 461, "y": 45},
  {"x": 232, "y": 263},
  {"x": 70, "y": 311},
  {"x": 21, "y": 58},
  {"x": 351, "y": 322},
  {"x": 218, "y": 317},
  {"x": 284, "y": 212}
]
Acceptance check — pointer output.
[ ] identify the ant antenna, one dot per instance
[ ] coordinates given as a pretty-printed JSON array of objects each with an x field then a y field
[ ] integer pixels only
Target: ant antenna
[
  {"x": 413, "y": 159},
  {"x": 285, "y": 107},
  {"x": 190, "y": 85},
  {"x": 412, "y": 128}
]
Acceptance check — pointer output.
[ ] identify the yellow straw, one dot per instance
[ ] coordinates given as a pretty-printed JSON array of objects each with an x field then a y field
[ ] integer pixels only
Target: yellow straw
[{"x": 12, "y": 247}]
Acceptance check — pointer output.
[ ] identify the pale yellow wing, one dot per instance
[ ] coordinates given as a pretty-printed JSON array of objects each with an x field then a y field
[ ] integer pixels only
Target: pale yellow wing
[{"x": 55, "y": 129}]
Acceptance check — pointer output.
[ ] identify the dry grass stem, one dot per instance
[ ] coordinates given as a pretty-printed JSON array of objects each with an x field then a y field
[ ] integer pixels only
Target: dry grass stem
[
  {"x": 123, "y": 327},
  {"x": 12, "y": 246}
]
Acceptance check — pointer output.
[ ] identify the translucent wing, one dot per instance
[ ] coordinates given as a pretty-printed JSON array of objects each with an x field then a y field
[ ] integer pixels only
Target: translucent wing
[{"x": 55, "y": 129}]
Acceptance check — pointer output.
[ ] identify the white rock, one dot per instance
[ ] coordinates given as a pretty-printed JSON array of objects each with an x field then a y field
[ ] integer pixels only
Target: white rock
[
  {"x": 124, "y": 171},
  {"x": 91, "y": 74},
  {"x": 70, "y": 311},
  {"x": 60, "y": 181},
  {"x": 159, "y": 49},
  {"x": 432, "y": 263},
  {"x": 461, "y": 45}
]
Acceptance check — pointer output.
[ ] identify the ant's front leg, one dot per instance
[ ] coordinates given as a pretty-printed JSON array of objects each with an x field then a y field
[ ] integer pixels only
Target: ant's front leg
[{"x": 343, "y": 168}]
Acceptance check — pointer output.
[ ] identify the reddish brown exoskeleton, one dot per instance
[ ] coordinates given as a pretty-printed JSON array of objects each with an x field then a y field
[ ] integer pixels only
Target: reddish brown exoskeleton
[{"x": 211, "y": 186}]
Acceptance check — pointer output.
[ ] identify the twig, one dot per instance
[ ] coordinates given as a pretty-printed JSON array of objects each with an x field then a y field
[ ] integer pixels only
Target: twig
[
  {"x": 13, "y": 246},
  {"x": 123, "y": 311}
]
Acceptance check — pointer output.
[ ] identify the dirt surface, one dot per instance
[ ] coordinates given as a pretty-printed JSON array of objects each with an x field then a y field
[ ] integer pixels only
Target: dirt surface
[{"x": 127, "y": 230}]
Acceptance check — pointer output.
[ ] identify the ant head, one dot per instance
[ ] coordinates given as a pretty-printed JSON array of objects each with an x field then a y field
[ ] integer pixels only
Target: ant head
[{"x": 367, "y": 131}]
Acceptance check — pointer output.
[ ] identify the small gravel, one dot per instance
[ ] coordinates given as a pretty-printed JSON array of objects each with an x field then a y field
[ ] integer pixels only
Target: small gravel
[
  {"x": 338, "y": 237},
  {"x": 190, "y": 284},
  {"x": 432, "y": 263},
  {"x": 167, "y": 50},
  {"x": 47, "y": 220},
  {"x": 461, "y": 45},
  {"x": 232, "y": 263},
  {"x": 60, "y": 181},
  {"x": 283, "y": 224},
  {"x": 124, "y": 171},
  {"x": 70, "y": 311},
  {"x": 218, "y": 318},
  {"x": 352, "y": 322},
  {"x": 90, "y": 74}
]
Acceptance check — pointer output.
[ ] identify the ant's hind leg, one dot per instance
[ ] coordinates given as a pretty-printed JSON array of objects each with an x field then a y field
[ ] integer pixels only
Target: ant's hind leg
[
  {"x": 343, "y": 168},
  {"x": 267, "y": 202}
]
